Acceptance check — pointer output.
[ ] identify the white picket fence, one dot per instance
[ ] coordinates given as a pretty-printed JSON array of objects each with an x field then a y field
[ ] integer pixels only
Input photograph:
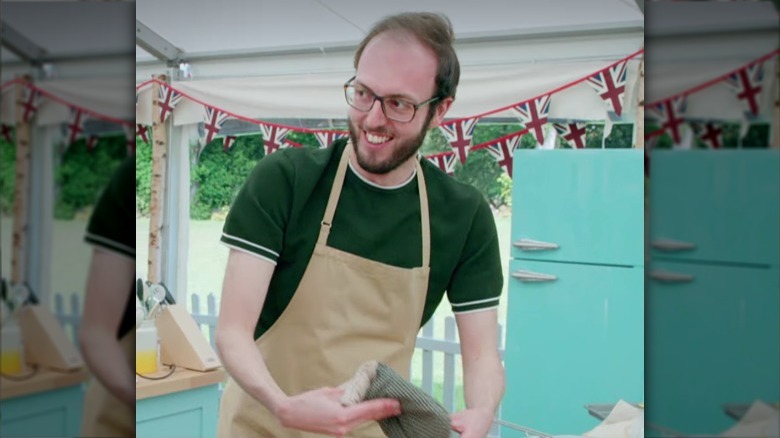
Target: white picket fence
[{"x": 435, "y": 351}]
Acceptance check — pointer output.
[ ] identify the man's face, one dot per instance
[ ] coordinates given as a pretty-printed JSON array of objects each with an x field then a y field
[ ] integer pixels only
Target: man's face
[{"x": 399, "y": 67}]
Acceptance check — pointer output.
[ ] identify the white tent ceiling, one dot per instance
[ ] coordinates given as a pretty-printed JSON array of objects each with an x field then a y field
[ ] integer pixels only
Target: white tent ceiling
[{"x": 272, "y": 59}]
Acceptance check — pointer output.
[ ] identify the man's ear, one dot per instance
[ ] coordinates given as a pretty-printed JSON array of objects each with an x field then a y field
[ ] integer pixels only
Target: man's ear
[{"x": 441, "y": 111}]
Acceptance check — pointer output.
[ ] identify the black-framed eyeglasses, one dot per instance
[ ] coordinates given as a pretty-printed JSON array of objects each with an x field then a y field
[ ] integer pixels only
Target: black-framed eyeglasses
[{"x": 395, "y": 108}]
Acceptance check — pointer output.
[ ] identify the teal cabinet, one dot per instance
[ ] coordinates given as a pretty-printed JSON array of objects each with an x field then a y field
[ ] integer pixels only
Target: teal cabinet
[
  {"x": 191, "y": 413},
  {"x": 575, "y": 315},
  {"x": 572, "y": 341},
  {"x": 55, "y": 413},
  {"x": 712, "y": 340},
  {"x": 715, "y": 207},
  {"x": 589, "y": 203}
]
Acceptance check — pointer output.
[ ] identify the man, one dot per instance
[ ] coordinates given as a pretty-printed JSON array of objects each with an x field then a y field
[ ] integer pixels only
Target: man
[
  {"x": 339, "y": 255},
  {"x": 107, "y": 332}
]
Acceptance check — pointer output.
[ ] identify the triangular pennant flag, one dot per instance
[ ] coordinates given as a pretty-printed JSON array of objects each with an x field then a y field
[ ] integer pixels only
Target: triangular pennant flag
[
  {"x": 669, "y": 114},
  {"x": 573, "y": 133},
  {"x": 503, "y": 149},
  {"x": 711, "y": 134},
  {"x": 30, "y": 100},
  {"x": 610, "y": 84},
  {"x": 75, "y": 125},
  {"x": 91, "y": 142},
  {"x": 459, "y": 133},
  {"x": 143, "y": 132},
  {"x": 533, "y": 115},
  {"x": 5, "y": 132},
  {"x": 746, "y": 83},
  {"x": 273, "y": 137},
  {"x": 325, "y": 138},
  {"x": 228, "y": 141},
  {"x": 129, "y": 138},
  {"x": 167, "y": 98},
  {"x": 444, "y": 161},
  {"x": 213, "y": 120}
]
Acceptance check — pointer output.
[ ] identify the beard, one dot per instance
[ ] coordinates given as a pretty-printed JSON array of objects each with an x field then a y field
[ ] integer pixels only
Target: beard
[{"x": 403, "y": 150}]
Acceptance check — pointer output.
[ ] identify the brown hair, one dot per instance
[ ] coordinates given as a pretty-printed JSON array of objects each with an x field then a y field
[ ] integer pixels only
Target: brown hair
[{"x": 433, "y": 31}]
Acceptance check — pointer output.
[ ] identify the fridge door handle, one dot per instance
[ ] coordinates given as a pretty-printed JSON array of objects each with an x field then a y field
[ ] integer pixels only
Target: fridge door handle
[
  {"x": 524, "y": 275},
  {"x": 672, "y": 245},
  {"x": 671, "y": 277},
  {"x": 535, "y": 245}
]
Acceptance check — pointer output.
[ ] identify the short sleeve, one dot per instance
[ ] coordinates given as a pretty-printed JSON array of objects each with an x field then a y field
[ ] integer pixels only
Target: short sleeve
[
  {"x": 258, "y": 216},
  {"x": 112, "y": 224},
  {"x": 477, "y": 281}
]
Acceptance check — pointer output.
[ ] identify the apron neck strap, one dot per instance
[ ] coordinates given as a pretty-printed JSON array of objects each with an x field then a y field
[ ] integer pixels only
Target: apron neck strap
[{"x": 335, "y": 193}]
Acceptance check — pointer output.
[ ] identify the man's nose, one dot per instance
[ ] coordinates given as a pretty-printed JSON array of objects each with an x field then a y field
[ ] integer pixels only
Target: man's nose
[{"x": 375, "y": 116}]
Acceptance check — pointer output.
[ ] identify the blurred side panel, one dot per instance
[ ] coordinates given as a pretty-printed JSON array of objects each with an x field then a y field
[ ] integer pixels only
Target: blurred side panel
[
  {"x": 67, "y": 165},
  {"x": 712, "y": 287}
]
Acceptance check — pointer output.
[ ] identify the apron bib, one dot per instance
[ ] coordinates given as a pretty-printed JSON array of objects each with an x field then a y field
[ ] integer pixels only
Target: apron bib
[
  {"x": 105, "y": 415},
  {"x": 346, "y": 310}
]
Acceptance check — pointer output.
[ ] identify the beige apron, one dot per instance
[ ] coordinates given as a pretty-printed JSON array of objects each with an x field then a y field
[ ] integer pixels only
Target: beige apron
[
  {"x": 105, "y": 415},
  {"x": 346, "y": 310}
]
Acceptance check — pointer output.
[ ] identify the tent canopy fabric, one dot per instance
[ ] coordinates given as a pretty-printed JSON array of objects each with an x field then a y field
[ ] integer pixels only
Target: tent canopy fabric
[{"x": 267, "y": 59}]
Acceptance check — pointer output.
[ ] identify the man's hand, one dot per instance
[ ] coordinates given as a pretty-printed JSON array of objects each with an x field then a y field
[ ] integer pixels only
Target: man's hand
[
  {"x": 321, "y": 411},
  {"x": 472, "y": 423}
]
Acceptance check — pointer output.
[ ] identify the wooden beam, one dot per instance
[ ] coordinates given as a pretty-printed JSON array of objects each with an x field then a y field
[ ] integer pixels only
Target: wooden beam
[
  {"x": 157, "y": 201},
  {"x": 21, "y": 188}
]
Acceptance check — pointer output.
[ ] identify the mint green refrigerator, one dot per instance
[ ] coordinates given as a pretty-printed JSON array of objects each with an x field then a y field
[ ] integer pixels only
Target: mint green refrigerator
[{"x": 574, "y": 333}]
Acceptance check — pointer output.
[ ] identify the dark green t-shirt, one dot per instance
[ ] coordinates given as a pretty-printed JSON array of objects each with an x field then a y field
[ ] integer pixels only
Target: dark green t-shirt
[
  {"x": 112, "y": 226},
  {"x": 277, "y": 213}
]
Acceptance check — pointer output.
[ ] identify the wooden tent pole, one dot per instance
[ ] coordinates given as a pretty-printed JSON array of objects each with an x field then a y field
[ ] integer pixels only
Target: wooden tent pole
[
  {"x": 21, "y": 186},
  {"x": 157, "y": 201}
]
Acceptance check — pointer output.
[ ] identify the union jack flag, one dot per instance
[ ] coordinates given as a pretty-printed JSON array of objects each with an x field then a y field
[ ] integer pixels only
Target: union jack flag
[
  {"x": 213, "y": 120},
  {"x": 746, "y": 83},
  {"x": 31, "y": 98},
  {"x": 610, "y": 84},
  {"x": 711, "y": 133},
  {"x": 143, "y": 132},
  {"x": 573, "y": 133},
  {"x": 167, "y": 98},
  {"x": 273, "y": 137},
  {"x": 75, "y": 124},
  {"x": 5, "y": 131},
  {"x": 669, "y": 114},
  {"x": 503, "y": 149},
  {"x": 459, "y": 133},
  {"x": 325, "y": 138},
  {"x": 533, "y": 114},
  {"x": 227, "y": 142},
  {"x": 444, "y": 160}
]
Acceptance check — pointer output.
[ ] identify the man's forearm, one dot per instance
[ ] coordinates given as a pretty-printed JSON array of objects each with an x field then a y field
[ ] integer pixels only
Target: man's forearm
[
  {"x": 483, "y": 380},
  {"x": 245, "y": 364},
  {"x": 108, "y": 363}
]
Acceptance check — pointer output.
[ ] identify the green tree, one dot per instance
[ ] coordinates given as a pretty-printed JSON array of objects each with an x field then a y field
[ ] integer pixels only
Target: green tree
[
  {"x": 83, "y": 174},
  {"x": 220, "y": 174},
  {"x": 7, "y": 176}
]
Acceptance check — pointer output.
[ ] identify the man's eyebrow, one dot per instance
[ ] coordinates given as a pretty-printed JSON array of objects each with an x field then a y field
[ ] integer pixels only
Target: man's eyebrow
[{"x": 397, "y": 95}]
